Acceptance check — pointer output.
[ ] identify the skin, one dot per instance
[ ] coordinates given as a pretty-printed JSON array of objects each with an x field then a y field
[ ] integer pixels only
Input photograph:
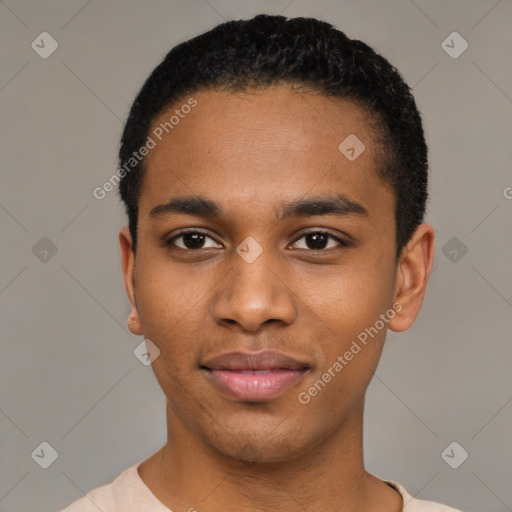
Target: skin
[{"x": 251, "y": 152}]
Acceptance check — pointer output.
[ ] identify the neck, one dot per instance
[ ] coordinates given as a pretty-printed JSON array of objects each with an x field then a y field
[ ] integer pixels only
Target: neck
[{"x": 188, "y": 474}]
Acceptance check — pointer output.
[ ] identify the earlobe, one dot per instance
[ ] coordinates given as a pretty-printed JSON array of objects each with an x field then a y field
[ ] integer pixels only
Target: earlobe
[
  {"x": 134, "y": 323},
  {"x": 413, "y": 272},
  {"x": 128, "y": 268}
]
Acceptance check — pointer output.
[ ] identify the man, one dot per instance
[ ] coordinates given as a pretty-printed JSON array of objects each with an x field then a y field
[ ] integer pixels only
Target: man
[{"x": 274, "y": 174}]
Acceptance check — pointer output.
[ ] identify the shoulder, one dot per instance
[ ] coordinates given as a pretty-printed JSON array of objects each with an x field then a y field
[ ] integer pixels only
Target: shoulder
[
  {"x": 101, "y": 498},
  {"x": 127, "y": 493},
  {"x": 414, "y": 505}
]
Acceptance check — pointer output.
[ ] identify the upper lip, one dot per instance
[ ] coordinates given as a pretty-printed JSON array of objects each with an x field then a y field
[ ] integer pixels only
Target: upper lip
[{"x": 266, "y": 360}]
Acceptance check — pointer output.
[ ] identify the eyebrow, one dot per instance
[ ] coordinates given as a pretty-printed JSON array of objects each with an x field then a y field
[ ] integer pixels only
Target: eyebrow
[{"x": 199, "y": 206}]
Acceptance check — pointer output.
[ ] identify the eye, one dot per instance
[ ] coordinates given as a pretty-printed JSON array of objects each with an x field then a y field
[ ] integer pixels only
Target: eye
[
  {"x": 191, "y": 240},
  {"x": 313, "y": 241},
  {"x": 320, "y": 241}
]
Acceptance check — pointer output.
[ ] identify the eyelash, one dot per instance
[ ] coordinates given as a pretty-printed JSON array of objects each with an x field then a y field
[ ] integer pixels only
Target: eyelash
[{"x": 342, "y": 243}]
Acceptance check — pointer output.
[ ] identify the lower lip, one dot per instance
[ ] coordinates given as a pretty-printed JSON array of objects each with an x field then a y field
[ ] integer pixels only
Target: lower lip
[{"x": 255, "y": 386}]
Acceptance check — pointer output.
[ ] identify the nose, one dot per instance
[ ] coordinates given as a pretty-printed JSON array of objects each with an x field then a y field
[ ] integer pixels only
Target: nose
[{"x": 253, "y": 294}]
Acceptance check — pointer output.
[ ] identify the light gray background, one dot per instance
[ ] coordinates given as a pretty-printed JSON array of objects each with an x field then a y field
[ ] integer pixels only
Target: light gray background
[{"x": 68, "y": 375}]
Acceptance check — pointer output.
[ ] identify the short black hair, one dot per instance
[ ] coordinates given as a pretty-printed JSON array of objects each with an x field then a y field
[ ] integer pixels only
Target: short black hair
[{"x": 266, "y": 50}]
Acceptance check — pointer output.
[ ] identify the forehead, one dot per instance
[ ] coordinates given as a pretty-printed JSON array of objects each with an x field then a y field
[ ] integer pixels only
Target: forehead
[{"x": 255, "y": 145}]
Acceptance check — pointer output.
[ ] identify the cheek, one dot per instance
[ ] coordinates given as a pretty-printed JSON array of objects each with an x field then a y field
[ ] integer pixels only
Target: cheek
[
  {"x": 350, "y": 352},
  {"x": 172, "y": 306},
  {"x": 348, "y": 307},
  {"x": 169, "y": 298},
  {"x": 348, "y": 299}
]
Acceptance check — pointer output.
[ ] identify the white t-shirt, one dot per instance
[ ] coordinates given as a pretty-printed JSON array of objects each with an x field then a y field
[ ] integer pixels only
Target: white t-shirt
[{"x": 129, "y": 493}]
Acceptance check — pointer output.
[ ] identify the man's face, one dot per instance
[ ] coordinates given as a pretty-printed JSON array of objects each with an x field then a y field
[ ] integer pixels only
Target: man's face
[{"x": 320, "y": 280}]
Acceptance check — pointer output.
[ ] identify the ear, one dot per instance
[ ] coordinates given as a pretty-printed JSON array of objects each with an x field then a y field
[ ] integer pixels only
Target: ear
[
  {"x": 128, "y": 267},
  {"x": 413, "y": 271}
]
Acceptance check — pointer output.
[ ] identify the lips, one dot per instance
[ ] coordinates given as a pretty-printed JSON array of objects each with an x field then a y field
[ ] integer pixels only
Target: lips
[{"x": 254, "y": 376}]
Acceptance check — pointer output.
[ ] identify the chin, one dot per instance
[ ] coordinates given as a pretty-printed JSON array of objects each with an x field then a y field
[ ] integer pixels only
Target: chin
[
  {"x": 259, "y": 442},
  {"x": 259, "y": 452}
]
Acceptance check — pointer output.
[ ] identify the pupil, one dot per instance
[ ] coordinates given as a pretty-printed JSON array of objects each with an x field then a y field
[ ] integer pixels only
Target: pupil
[
  {"x": 193, "y": 240},
  {"x": 315, "y": 237}
]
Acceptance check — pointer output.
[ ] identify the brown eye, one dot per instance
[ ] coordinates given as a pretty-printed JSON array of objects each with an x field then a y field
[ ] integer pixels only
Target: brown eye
[
  {"x": 320, "y": 241},
  {"x": 191, "y": 240}
]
